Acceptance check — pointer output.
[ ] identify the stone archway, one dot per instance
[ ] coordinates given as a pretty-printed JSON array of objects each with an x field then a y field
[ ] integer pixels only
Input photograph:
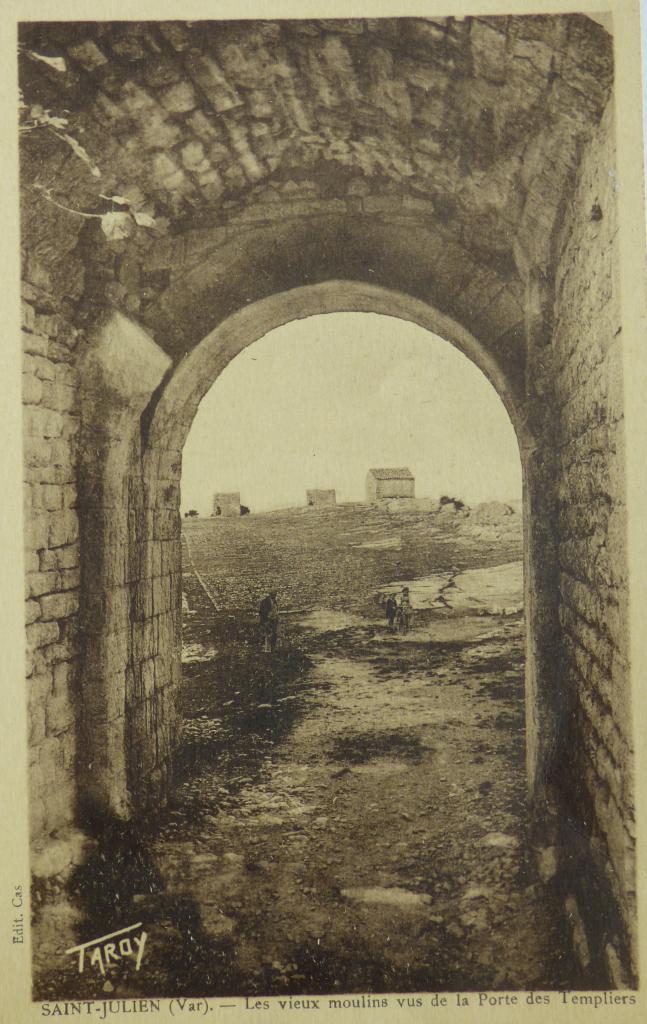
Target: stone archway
[
  {"x": 466, "y": 166},
  {"x": 148, "y": 635}
]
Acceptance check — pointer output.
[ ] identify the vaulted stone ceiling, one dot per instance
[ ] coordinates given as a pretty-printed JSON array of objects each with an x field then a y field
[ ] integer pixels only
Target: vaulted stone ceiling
[{"x": 476, "y": 124}]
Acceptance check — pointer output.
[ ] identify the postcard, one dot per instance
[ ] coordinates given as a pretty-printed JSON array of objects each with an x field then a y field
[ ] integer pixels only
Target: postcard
[{"x": 324, "y": 499}]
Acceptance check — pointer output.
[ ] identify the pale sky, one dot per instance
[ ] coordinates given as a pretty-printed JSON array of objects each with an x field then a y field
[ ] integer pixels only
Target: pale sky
[{"x": 318, "y": 402}]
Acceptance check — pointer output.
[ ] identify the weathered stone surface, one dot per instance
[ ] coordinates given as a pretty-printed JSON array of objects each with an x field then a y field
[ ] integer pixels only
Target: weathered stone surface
[
  {"x": 58, "y": 606},
  {"x": 293, "y": 98},
  {"x": 41, "y": 583},
  {"x": 428, "y": 157},
  {"x": 592, "y": 519},
  {"x": 42, "y": 633}
]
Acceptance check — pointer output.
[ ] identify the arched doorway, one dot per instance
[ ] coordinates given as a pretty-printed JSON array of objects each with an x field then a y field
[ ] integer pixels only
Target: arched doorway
[
  {"x": 149, "y": 587},
  {"x": 153, "y": 671}
]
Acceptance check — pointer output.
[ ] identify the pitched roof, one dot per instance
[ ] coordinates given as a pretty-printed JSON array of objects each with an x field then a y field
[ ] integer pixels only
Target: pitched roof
[{"x": 392, "y": 474}]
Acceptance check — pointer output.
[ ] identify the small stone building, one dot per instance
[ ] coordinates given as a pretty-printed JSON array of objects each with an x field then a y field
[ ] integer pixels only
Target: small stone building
[
  {"x": 390, "y": 483},
  {"x": 226, "y": 504},
  {"x": 318, "y": 498}
]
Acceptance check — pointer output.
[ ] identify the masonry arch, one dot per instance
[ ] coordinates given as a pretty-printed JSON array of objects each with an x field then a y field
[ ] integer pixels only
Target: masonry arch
[
  {"x": 465, "y": 164},
  {"x": 133, "y": 750}
]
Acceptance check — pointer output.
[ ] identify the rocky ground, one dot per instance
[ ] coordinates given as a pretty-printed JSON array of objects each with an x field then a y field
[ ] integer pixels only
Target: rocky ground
[{"x": 349, "y": 814}]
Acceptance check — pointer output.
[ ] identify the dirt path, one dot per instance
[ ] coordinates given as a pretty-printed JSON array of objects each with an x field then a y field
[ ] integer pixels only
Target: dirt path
[
  {"x": 380, "y": 845},
  {"x": 349, "y": 817}
]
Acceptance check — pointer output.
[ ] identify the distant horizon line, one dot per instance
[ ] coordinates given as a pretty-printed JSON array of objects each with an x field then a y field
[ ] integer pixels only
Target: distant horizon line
[{"x": 355, "y": 501}]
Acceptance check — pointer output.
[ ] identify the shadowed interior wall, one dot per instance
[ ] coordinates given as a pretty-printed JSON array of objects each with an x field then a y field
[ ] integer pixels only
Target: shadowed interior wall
[{"x": 593, "y": 580}]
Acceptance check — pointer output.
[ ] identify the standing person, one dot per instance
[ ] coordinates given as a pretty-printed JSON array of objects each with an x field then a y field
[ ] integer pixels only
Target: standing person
[
  {"x": 391, "y": 608},
  {"x": 406, "y": 611},
  {"x": 269, "y": 619}
]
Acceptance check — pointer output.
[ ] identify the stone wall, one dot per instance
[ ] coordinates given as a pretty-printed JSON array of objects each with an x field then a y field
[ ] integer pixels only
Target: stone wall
[
  {"x": 130, "y": 592},
  {"x": 101, "y": 720},
  {"x": 154, "y": 671},
  {"x": 593, "y": 584},
  {"x": 52, "y": 563}
]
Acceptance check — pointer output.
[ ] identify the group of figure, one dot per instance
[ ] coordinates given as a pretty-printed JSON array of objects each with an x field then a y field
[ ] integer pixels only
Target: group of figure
[{"x": 399, "y": 612}]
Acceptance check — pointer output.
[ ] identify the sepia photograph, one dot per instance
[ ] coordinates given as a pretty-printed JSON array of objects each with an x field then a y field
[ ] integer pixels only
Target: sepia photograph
[{"x": 329, "y": 673}]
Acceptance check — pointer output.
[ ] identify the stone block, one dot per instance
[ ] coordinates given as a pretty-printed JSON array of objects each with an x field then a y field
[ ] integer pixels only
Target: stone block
[
  {"x": 161, "y": 594},
  {"x": 59, "y": 717},
  {"x": 176, "y": 34},
  {"x": 207, "y": 74},
  {"x": 36, "y": 725},
  {"x": 48, "y": 497},
  {"x": 601, "y": 680},
  {"x": 70, "y": 498},
  {"x": 488, "y": 47},
  {"x": 48, "y": 560},
  {"x": 170, "y": 553},
  {"x": 39, "y": 583},
  {"x": 41, "y": 367},
  {"x": 32, "y": 611},
  {"x": 157, "y": 132},
  {"x": 203, "y": 127},
  {"x": 144, "y": 640},
  {"x": 32, "y": 389},
  {"x": 193, "y": 157},
  {"x": 34, "y": 344},
  {"x": 37, "y": 815},
  {"x": 31, "y": 561},
  {"x": 166, "y": 524},
  {"x": 163, "y": 167},
  {"x": 39, "y": 689},
  {"x": 67, "y": 557},
  {"x": 148, "y": 677},
  {"x": 211, "y": 184},
  {"x": 116, "y": 608},
  {"x": 41, "y": 422},
  {"x": 63, "y": 528},
  {"x": 143, "y": 600},
  {"x": 88, "y": 55},
  {"x": 37, "y": 275},
  {"x": 59, "y": 396},
  {"x": 40, "y": 634},
  {"x": 137, "y": 101},
  {"x": 161, "y": 72},
  {"x": 621, "y": 846},
  {"x": 59, "y": 606},
  {"x": 46, "y": 325},
  {"x": 37, "y": 455},
  {"x": 59, "y": 708},
  {"x": 59, "y": 799},
  {"x": 28, "y": 317},
  {"x": 179, "y": 98},
  {"x": 219, "y": 153}
]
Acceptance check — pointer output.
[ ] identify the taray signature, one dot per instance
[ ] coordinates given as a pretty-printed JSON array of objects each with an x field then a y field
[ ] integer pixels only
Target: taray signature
[{"x": 112, "y": 948}]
